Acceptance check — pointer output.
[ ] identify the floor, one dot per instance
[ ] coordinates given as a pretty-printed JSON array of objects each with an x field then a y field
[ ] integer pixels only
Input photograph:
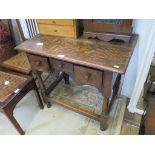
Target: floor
[
  {"x": 60, "y": 121},
  {"x": 131, "y": 121}
]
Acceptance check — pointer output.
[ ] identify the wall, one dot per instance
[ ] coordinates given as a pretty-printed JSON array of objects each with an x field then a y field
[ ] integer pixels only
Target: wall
[{"x": 142, "y": 28}]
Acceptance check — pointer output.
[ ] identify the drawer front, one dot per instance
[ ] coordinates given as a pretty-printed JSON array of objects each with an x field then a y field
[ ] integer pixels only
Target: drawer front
[
  {"x": 66, "y": 22},
  {"x": 38, "y": 63},
  {"x": 67, "y": 31},
  {"x": 61, "y": 66},
  {"x": 88, "y": 76}
]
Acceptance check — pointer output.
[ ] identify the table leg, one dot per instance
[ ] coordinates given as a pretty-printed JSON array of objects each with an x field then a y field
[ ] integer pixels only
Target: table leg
[
  {"x": 38, "y": 96},
  {"x": 66, "y": 78},
  {"x": 42, "y": 88},
  {"x": 12, "y": 119},
  {"x": 107, "y": 82}
]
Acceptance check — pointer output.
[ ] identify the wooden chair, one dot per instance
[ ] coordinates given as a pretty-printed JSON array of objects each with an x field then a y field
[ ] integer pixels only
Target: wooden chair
[
  {"x": 6, "y": 41},
  {"x": 13, "y": 87},
  {"x": 19, "y": 62}
]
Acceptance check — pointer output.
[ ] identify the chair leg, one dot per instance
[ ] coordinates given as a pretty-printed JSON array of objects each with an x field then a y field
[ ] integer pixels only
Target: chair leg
[{"x": 12, "y": 119}]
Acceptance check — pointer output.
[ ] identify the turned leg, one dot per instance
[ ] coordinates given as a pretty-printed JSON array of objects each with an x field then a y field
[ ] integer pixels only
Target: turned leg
[
  {"x": 66, "y": 78},
  {"x": 42, "y": 88},
  {"x": 12, "y": 119},
  {"x": 107, "y": 82}
]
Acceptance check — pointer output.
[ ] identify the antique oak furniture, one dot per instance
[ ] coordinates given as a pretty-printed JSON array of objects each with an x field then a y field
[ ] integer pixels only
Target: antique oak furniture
[
  {"x": 13, "y": 87},
  {"x": 90, "y": 62},
  {"x": 6, "y": 41},
  {"x": 58, "y": 27},
  {"x": 108, "y": 29},
  {"x": 19, "y": 62}
]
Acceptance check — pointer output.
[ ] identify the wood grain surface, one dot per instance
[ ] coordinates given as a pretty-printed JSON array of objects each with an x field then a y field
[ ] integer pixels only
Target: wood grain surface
[{"x": 111, "y": 56}]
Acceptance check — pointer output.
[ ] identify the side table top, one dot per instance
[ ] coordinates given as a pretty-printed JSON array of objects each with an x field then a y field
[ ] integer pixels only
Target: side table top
[
  {"x": 111, "y": 56},
  {"x": 9, "y": 84}
]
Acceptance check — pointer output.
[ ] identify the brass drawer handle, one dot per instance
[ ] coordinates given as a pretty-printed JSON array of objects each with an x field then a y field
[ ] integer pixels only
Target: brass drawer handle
[
  {"x": 53, "y": 21},
  {"x": 87, "y": 76},
  {"x": 55, "y": 30}
]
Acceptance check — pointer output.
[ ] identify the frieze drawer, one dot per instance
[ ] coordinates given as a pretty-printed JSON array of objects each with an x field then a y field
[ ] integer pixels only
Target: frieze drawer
[
  {"x": 60, "y": 65},
  {"x": 88, "y": 76},
  {"x": 38, "y": 63}
]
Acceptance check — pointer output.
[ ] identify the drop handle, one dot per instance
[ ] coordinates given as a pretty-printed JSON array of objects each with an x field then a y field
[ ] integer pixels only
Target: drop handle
[
  {"x": 55, "y": 30},
  {"x": 87, "y": 76},
  {"x": 38, "y": 63}
]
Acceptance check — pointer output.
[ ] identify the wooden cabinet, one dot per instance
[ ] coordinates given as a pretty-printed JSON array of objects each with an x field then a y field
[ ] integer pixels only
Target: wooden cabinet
[
  {"x": 108, "y": 29},
  {"x": 58, "y": 27},
  {"x": 63, "y": 22}
]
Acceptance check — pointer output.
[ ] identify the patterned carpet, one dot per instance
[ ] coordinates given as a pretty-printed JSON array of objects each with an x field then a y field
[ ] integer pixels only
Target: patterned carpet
[{"x": 60, "y": 121}]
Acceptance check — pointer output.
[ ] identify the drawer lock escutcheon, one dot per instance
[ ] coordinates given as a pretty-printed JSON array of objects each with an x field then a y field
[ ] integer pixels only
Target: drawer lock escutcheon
[
  {"x": 38, "y": 63},
  {"x": 87, "y": 76}
]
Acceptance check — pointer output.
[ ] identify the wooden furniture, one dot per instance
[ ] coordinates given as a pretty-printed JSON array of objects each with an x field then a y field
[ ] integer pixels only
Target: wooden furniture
[
  {"x": 58, "y": 27},
  {"x": 6, "y": 41},
  {"x": 19, "y": 62},
  {"x": 148, "y": 120},
  {"x": 13, "y": 87},
  {"x": 90, "y": 62},
  {"x": 108, "y": 29},
  {"x": 32, "y": 27}
]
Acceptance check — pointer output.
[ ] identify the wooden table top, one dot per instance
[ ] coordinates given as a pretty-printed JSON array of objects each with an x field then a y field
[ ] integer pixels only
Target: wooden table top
[
  {"x": 19, "y": 63},
  {"x": 87, "y": 52},
  {"x": 8, "y": 84}
]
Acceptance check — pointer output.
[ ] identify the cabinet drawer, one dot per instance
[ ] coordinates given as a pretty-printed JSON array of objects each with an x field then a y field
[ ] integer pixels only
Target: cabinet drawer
[
  {"x": 67, "y": 31},
  {"x": 88, "y": 76},
  {"x": 67, "y": 22},
  {"x": 38, "y": 63},
  {"x": 61, "y": 66}
]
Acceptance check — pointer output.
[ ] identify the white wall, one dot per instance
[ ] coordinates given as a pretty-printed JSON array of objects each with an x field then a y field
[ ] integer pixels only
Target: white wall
[{"x": 141, "y": 27}]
